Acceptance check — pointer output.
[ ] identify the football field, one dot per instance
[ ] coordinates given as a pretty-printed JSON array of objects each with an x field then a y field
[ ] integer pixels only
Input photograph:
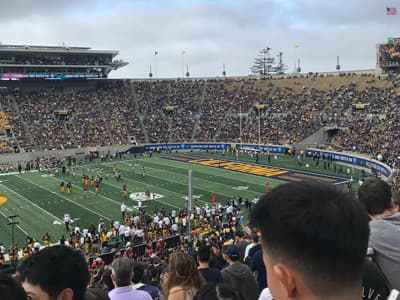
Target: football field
[{"x": 40, "y": 206}]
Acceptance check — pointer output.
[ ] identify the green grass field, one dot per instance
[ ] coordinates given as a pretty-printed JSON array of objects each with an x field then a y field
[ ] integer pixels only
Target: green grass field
[{"x": 37, "y": 200}]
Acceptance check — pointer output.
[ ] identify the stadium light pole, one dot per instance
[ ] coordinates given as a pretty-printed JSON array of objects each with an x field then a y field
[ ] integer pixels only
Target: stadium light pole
[
  {"x": 183, "y": 63},
  {"x": 155, "y": 63},
  {"x": 189, "y": 202},
  {"x": 12, "y": 223},
  {"x": 240, "y": 124},
  {"x": 259, "y": 126}
]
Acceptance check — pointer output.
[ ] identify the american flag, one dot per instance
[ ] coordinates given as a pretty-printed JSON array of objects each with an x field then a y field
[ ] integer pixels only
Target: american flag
[{"x": 391, "y": 11}]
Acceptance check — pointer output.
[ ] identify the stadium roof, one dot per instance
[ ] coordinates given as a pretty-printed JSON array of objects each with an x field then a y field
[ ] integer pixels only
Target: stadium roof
[{"x": 54, "y": 49}]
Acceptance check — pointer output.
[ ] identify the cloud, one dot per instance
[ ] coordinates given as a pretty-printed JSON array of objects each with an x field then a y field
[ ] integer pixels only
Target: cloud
[{"x": 212, "y": 32}]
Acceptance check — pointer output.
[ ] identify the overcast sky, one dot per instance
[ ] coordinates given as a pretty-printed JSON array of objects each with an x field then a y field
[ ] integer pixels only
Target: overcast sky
[{"x": 211, "y": 32}]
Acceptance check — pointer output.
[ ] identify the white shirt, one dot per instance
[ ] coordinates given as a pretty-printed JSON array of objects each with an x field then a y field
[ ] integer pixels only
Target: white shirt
[
  {"x": 174, "y": 227},
  {"x": 116, "y": 225},
  {"x": 198, "y": 210},
  {"x": 123, "y": 207},
  {"x": 265, "y": 295},
  {"x": 167, "y": 221},
  {"x": 100, "y": 227},
  {"x": 127, "y": 232},
  {"x": 36, "y": 245},
  {"x": 121, "y": 230},
  {"x": 76, "y": 229},
  {"x": 67, "y": 218},
  {"x": 248, "y": 247},
  {"x": 139, "y": 232}
]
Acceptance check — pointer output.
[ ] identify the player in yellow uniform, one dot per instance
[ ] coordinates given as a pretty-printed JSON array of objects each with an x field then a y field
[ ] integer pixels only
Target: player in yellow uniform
[
  {"x": 150, "y": 233},
  {"x": 104, "y": 238},
  {"x": 85, "y": 191},
  {"x": 69, "y": 187},
  {"x": 29, "y": 242},
  {"x": 26, "y": 252},
  {"x": 83, "y": 178},
  {"x": 96, "y": 187},
  {"x": 86, "y": 180},
  {"x": 92, "y": 182},
  {"x": 2, "y": 259},
  {"x": 62, "y": 189},
  {"x": 124, "y": 191},
  {"x": 46, "y": 239},
  {"x": 87, "y": 243},
  {"x": 95, "y": 243}
]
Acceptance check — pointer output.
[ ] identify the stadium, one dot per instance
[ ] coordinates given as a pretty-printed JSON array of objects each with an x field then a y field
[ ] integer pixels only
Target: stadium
[{"x": 140, "y": 167}]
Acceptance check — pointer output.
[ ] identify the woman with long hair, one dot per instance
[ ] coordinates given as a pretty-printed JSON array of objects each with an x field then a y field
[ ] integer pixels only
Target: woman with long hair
[{"x": 183, "y": 280}]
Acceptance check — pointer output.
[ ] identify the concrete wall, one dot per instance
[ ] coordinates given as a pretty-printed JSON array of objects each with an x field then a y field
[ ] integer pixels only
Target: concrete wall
[{"x": 27, "y": 156}]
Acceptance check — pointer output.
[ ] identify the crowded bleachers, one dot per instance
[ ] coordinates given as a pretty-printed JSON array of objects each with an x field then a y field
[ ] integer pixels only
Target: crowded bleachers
[{"x": 208, "y": 110}]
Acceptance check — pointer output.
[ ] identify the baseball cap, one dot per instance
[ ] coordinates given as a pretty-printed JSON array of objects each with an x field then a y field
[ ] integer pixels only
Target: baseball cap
[{"x": 233, "y": 252}]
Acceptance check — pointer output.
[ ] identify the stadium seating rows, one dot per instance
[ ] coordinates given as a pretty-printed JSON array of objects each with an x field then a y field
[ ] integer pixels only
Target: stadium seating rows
[{"x": 208, "y": 110}]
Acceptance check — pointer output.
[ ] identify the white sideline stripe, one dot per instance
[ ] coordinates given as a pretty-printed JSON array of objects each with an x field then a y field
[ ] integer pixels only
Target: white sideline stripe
[
  {"x": 34, "y": 204},
  {"x": 73, "y": 202}
]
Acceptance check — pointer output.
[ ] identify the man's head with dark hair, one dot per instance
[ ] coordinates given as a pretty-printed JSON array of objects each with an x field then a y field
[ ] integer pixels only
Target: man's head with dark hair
[
  {"x": 376, "y": 196},
  {"x": 10, "y": 288},
  {"x": 122, "y": 271},
  {"x": 254, "y": 238},
  {"x": 314, "y": 239},
  {"x": 56, "y": 271},
  {"x": 138, "y": 272},
  {"x": 204, "y": 254}
]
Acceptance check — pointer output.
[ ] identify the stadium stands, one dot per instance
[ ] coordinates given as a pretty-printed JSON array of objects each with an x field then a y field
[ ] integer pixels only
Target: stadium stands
[{"x": 364, "y": 106}]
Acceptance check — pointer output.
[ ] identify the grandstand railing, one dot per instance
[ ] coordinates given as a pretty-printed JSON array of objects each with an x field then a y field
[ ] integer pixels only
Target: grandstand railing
[{"x": 357, "y": 160}]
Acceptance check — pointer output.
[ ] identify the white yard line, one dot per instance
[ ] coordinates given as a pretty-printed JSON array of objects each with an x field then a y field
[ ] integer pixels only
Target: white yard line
[
  {"x": 69, "y": 200},
  {"x": 20, "y": 228},
  {"x": 34, "y": 204}
]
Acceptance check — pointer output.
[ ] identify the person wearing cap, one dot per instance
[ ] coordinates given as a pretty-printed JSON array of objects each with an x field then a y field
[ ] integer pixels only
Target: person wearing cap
[{"x": 239, "y": 275}]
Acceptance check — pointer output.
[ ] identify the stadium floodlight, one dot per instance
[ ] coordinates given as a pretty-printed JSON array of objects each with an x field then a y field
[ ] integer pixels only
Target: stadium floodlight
[{"x": 223, "y": 70}]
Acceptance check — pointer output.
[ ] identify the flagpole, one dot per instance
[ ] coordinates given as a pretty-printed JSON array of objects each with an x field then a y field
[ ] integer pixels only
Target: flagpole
[
  {"x": 155, "y": 64},
  {"x": 183, "y": 63}
]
